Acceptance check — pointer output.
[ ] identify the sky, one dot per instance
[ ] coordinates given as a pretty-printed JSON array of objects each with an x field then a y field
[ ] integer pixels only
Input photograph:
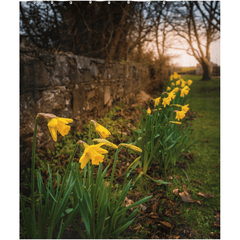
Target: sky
[{"x": 185, "y": 60}]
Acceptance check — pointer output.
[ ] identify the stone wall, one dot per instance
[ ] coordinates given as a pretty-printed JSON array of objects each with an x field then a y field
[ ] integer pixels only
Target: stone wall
[{"x": 71, "y": 86}]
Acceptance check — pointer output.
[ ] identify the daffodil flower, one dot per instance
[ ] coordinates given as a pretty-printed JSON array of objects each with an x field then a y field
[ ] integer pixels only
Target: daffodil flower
[
  {"x": 172, "y": 95},
  {"x": 130, "y": 146},
  {"x": 56, "y": 124},
  {"x": 171, "y": 77},
  {"x": 180, "y": 115},
  {"x": 94, "y": 152},
  {"x": 183, "y": 83},
  {"x": 166, "y": 101},
  {"x": 175, "y": 75},
  {"x": 184, "y": 91},
  {"x": 156, "y": 101},
  {"x": 102, "y": 131},
  {"x": 148, "y": 111},
  {"x": 106, "y": 143},
  {"x": 189, "y": 82},
  {"x": 176, "y": 89},
  {"x": 173, "y": 84},
  {"x": 185, "y": 108},
  {"x": 178, "y": 82},
  {"x": 168, "y": 89}
]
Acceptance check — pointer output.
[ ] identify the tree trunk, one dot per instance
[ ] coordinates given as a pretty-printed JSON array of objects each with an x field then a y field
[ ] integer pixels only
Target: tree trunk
[
  {"x": 207, "y": 70},
  {"x": 118, "y": 34}
]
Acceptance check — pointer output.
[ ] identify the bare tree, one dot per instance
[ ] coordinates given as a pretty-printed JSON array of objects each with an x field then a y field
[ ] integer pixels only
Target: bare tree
[{"x": 199, "y": 32}]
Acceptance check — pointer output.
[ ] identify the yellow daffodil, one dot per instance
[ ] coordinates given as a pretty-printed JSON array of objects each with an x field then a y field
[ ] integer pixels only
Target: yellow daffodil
[
  {"x": 175, "y": 122},
  {"x": 184, "y": 91},
  {"x": 102, "y": 131},
  {"x": 189, "y": 82},
  {"x": 94, "y": 152},
  {"x": 178, "y": 82},
  {"x": 56, "y": 124},
  {"x": 175, "y": 75},
  {"x": 130, "y": 146},
  {"x": 173, "y": 84},
  {"x": 166, "y": 101},
  {"x": 185, "y": 108},
  {"x": 156, "y": 101},
  {"x": 106, "y": 143},
  {"x": 180, "y": 115},
  {"x": 176, "y": 89},
  {"x": 171, "y": 95},
  {"x": 148, "y": 111},
  {"x": 183, "y": 83},
  {"x": 168, "y": 89},
  {"x": 171, "y": 77}
]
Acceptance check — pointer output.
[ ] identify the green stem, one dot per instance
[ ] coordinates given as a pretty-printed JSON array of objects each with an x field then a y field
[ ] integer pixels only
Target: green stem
[
  {"x": 33, "y": 170},
  {"x": 113, "y": 170}
]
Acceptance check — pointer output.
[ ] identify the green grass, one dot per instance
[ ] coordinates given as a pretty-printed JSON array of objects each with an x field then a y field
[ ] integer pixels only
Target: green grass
[{"x": 204, "y": 100}]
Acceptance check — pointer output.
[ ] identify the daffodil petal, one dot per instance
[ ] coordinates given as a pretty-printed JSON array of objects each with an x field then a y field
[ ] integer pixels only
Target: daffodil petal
[
  {"x": 85, "y": 158},
  {"x": 53, "y": 123},
  {"x": 53, "y": 132}
]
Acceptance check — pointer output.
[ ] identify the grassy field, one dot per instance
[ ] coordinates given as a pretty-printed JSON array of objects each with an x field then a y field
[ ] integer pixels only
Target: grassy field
[{"x": 204, "y": 102}]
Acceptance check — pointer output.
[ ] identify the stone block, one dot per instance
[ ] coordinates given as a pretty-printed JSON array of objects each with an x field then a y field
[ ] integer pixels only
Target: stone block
[
  {"x": 107, "y": 94},
  {"x": 82, "y": 62}
]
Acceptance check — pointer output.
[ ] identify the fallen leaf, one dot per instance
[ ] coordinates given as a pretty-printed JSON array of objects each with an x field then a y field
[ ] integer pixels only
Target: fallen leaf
[
  {"x": 128, "y": 202},
  {"x": 207, "y": 195},
  {"x": 150, "y": 221},
  {"x": 166, "y": 224},
  {"x": 137, "y": 227},
  {"x": 155, "y": 206},
  {"x": 186, "y": 197},
  {"x": 153, "y": 215},
  {"x": 197, "y": 201},
  {"x": 175, "y": 191}
]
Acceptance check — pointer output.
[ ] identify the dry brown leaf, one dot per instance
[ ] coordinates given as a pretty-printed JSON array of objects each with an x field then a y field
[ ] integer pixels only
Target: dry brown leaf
[
  {"x": 186, "y": 197},
  {"x": 205, "y": 195},
  {"x": 166, "y": 224},
  {"x": 150, "y": 221},
  {"x": 155, "y": 206},
  {"x": 175, "y": 191},
  {"x": 137, "y": 227},
  {"x": 197, "y": 201},
  {"x": 128, "y": 202},
  {"x": 153, "y": 215}
]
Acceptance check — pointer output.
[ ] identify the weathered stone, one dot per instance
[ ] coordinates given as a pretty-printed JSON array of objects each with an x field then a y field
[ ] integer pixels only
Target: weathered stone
[
  {"x": 107, "y": 94},
  {"x": 93, "y": 70},
  {"x": 82, "y": 62},
  {"x": 71, "y": 86}
]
